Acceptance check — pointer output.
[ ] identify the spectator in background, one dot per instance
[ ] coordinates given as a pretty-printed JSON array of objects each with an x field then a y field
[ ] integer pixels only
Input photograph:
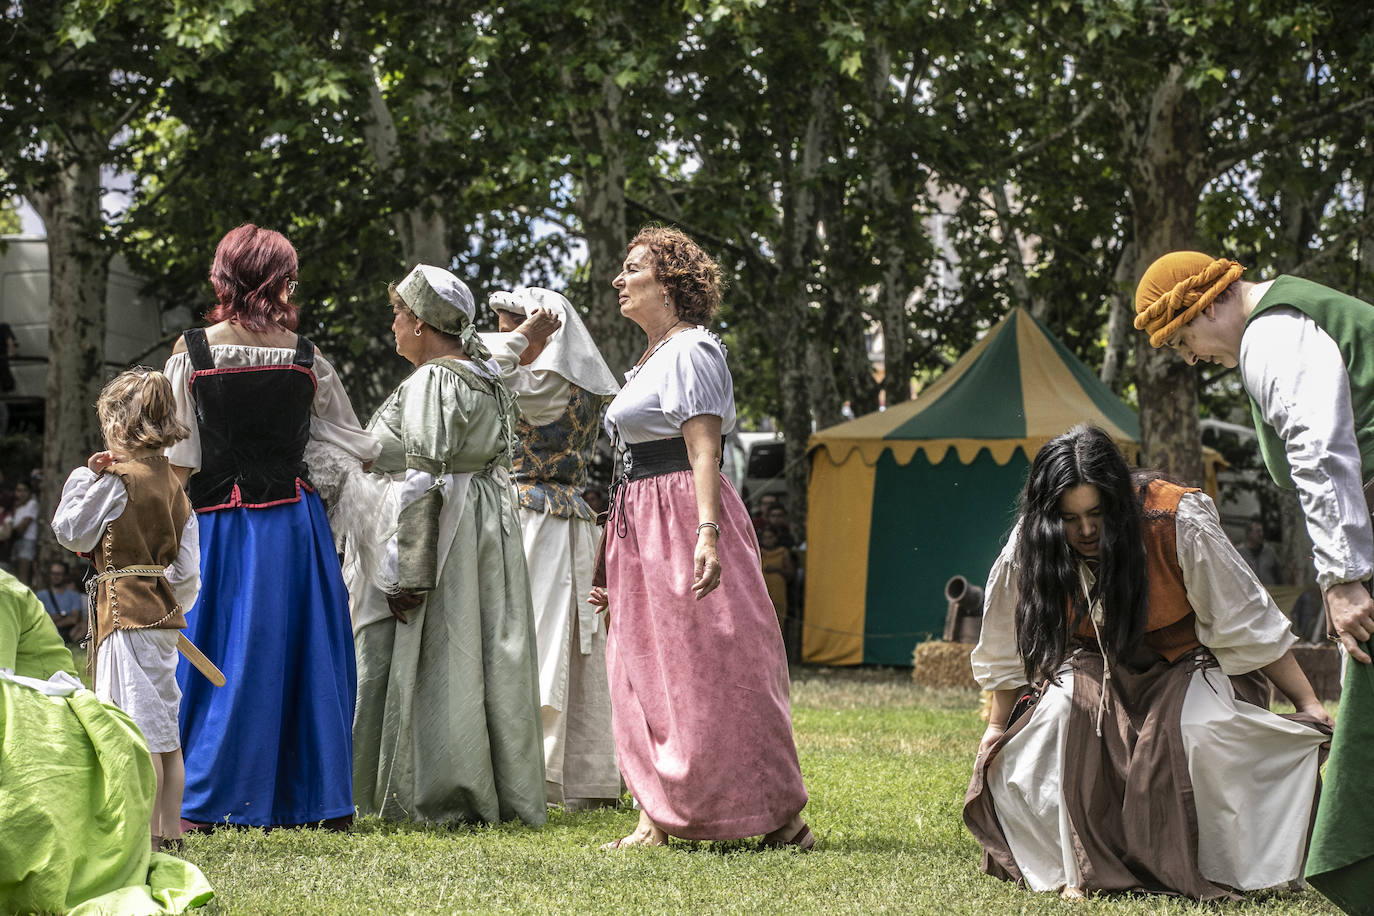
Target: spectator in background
[
  {"x": 65, "y": 604},
  {"x": 776, "y": 518},
  {"x": 25, "y": 538},
  {"x": 1259, "y": 556},
  {"x": 778, "y": 570},
  {"x": 760, "y": 516},
  {"x": 6, "y": 525},
  {"x": 595, "y": 497}
]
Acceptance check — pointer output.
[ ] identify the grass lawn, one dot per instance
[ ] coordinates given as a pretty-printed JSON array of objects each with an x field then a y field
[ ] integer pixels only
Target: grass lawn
[{"x": 886, "y": 764}]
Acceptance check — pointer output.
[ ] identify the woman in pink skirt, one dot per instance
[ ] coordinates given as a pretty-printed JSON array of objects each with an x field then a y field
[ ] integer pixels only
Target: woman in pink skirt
[{"x": 698, "y": 675}]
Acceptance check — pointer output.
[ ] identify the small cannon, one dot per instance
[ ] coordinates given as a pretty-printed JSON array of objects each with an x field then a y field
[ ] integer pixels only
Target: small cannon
[{"x": 964, "y": 619}]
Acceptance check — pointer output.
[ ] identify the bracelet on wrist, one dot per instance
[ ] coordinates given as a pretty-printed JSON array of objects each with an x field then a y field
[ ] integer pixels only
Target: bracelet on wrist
[{"x": 709, "y": 525}]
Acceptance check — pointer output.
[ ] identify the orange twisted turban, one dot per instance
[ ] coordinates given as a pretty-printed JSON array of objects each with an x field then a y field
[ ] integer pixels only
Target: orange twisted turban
[{"x": 1176, "y": 288}]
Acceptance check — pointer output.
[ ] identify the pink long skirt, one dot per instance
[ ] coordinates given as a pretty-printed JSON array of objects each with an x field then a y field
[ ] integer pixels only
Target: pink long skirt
[{"x": 699, "y": 689}]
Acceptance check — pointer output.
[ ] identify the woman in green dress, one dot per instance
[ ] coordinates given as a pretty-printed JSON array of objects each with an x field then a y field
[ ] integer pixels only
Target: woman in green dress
[{"x": 447, "y": 724}]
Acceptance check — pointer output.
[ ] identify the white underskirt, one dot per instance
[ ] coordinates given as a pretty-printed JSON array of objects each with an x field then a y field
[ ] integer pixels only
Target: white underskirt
[
  {"x": 136, "y": 670},
  {"x": 1253, "y": 776},
  {"x": 1028, "y": 793}
]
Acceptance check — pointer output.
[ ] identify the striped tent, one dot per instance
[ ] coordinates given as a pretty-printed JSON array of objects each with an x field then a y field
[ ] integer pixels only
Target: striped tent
[{"x": 901, "y": 500}]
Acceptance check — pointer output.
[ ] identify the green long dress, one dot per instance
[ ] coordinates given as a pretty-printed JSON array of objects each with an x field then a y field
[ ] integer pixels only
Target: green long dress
[{"x": 447, "y": 725}]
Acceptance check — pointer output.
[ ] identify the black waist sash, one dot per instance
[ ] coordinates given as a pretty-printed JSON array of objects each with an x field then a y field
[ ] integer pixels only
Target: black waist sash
[
  {"x": 660, "y": 456},
  {"x": 648, "y": 459}
]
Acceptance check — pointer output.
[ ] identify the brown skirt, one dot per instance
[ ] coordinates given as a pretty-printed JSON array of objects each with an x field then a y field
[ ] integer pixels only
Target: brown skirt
[{"x": 1124, "y": 811}]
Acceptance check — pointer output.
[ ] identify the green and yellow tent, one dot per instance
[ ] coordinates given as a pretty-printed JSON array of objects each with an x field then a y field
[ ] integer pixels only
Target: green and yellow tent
[{"x": 901, "y": 500}]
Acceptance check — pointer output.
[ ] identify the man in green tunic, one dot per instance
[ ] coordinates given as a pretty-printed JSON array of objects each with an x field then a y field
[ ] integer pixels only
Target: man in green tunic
[{"x": 1304, "y": 354}]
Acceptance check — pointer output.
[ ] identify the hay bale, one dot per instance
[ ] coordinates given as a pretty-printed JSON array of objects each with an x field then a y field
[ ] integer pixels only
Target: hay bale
[
  {"x": 985, "y": 706},
  {"x": 943, "y": 664}
]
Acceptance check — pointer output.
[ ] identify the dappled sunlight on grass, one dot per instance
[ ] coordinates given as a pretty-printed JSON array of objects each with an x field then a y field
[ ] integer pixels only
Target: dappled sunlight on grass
[
  {"x": 886, "y": 764},
  {"x": 872, "y": 688}
]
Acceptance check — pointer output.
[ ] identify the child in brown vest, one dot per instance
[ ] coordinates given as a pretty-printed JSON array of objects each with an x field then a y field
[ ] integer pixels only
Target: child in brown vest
[{"x": 127, "y": 510}]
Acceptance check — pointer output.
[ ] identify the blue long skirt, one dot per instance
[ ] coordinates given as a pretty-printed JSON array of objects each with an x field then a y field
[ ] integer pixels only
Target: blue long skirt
[{"x": 274, "y": 745}]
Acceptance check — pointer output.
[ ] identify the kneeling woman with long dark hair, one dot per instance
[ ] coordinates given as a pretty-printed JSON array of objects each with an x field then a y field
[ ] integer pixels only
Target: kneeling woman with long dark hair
[{"x": 1143, "y": 755}]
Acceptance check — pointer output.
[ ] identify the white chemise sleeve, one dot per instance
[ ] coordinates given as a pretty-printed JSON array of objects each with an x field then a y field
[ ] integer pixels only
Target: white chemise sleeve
[
  {"x": 89, "y": 502},
  {"x": 542, "y": 396},
  {"x": 413, "y": 484},
  {"x": 185, "y": 453},
  {"x": 332, "y": 418},
  {"x": 1236, "y": 617},
  {"x": 506, "y": 349},
  {"x": 700, "y": 385},
  {"x": 184, "y": 573},
  {"x": 1295, "y": 373},
  {"x": 996, "y": 662}
]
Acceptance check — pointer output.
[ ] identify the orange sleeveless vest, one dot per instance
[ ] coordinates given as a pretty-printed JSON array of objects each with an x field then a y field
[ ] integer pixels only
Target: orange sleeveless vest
[{"x": 1171, "y": 624}]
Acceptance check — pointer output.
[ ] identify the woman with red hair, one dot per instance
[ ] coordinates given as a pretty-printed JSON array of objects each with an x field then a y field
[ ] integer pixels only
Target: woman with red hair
[{"x": 274, "y": 745}]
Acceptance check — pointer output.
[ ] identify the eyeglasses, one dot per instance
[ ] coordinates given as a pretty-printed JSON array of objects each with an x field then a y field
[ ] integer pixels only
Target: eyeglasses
[{"x": 291, "y": 287}]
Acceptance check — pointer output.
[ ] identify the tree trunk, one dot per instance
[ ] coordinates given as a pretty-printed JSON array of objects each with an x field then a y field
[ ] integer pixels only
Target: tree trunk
[
  {"x": 796, "y": 250},
  {"x": 1120, "y": 319},
  {"x": 884, "y": 203},
  {"x": 78, "y": 275},
  {"x": 421, "y": 228},
  {"x": 1167, "y": 176},
  {"x": 1011, "y": 244},
  {"x": 605, "y": 226},
  {"x": 601, "y": 208},
  {"x": 825, "y": 392}
]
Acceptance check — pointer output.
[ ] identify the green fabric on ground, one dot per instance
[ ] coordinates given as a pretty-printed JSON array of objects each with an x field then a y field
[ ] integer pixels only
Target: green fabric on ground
[
  {"x": 174, "y": 886},
  {"x": 76, "y": 792},
  {"x": 1340, "y": 863}
]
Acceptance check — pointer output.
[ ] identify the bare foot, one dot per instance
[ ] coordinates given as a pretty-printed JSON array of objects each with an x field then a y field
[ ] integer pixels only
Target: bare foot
[
  {"x": 1072, "y": 893},
  {"x": 646, "y": 833},
  {"x": 793, "y": 833},
  {"x": 785, "y": 832}
]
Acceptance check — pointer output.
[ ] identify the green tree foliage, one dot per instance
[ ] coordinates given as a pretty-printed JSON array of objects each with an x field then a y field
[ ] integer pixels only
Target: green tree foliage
[
  {"x": 78, "y": 82},
  {"x": 10, "y": 222},
  {"x": 900, "y": 171},
  {"x": 1148, "y": 113}
]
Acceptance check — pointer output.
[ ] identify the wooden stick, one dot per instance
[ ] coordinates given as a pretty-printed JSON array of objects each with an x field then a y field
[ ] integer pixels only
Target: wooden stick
[{"x": 198, "y": 659}]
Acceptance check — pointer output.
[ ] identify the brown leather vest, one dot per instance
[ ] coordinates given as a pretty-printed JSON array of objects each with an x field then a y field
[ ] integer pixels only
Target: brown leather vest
[
  {"x": 1171, "y": 624},
  {"x": 147, "y": 533}
]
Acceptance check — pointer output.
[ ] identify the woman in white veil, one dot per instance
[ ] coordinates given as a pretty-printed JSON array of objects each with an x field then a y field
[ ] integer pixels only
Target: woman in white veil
[{"x": 548, "y": 358}]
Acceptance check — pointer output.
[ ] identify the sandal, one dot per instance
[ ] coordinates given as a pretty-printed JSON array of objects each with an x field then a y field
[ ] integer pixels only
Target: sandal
[{"x": 804, "y": 841}]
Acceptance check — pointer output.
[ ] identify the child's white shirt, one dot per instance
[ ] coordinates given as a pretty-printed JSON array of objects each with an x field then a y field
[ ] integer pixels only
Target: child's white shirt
[{"x": 91, "y": 501}]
